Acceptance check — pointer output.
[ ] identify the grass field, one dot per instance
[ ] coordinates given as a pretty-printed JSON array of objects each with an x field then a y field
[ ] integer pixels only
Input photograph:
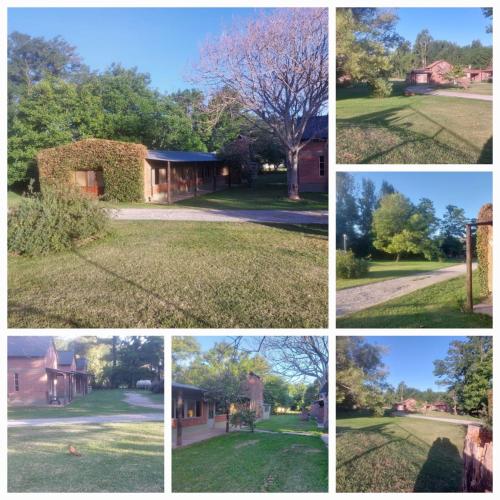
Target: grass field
[
  {"x": 268, "y": 193},
  {"x": 115, "y": 458},
  {"x": 381, "y": 270},
  {"x": 440, "y": 414},
  {"x": 150, "y": 274},
  {"x": 284, "y": 423},
  {"x": 436, "y": 306},
  {"x": 412, "y": 130},
  {"x": 482, "y": 88},
  {"x": 398, "y": 454},
  {"x": 98, "y": 402},
  {"x": 246, "y": 462}
]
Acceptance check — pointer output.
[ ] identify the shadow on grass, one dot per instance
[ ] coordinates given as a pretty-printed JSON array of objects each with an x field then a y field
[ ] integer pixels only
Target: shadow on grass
[
  {"x": 437, "y": 474},
  {"x": 486, "y": 156},
  {"x": 319, "y": 231},
  {"x": 26, "y": 310}
]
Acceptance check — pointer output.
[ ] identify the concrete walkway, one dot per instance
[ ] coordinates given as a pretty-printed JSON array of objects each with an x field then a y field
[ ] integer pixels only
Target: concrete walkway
[
  {"x": 439, "y": 419},
  {"x": 211, "y": 215},
  {"x": 94, "y": 419},
  {"x": 447, "y": 93},
  {"x": 351, "y": 300},
  {"x": 197, "y": 436},
  {"x": 135, "y": 399}
]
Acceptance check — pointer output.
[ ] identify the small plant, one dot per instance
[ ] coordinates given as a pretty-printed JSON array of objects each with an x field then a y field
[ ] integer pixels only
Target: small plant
[
  {"x": 349, "y": 266},
  {"x": 381, "y": 87},
  {"x": 54, "y": 220},
  {"x": 244, "y": 417}
]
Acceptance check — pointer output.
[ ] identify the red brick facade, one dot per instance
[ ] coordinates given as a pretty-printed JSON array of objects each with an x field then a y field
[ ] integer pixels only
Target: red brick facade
[
  {"x": 434, "y": 74},
  {"x": 313, "y": 167}
]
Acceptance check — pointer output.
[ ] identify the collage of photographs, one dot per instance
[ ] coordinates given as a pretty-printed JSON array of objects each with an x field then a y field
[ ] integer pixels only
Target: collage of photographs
[{"x": 171, "y": 295}]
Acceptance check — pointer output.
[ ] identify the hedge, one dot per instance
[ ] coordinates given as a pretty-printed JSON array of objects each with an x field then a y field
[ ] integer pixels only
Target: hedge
[
  {"x": 121, "y": 163},
  {"x": 482, "y": 247}
]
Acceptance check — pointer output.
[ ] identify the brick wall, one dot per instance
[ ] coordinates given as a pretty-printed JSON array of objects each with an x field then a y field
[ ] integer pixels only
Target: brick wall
[{"x": 309, "y": 167}]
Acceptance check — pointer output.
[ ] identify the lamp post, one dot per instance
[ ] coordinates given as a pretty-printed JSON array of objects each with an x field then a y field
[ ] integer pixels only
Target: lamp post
[{"x": 344, "y": 236}]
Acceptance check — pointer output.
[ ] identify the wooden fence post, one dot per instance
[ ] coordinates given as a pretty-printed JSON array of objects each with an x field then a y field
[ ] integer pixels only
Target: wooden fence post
[{"x": 468, "y": 265}]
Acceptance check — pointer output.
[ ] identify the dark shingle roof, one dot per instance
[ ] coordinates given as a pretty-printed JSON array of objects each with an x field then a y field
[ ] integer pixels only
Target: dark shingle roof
[
  {"x": 28, "y": 347},
  {"x": 176, "y": 385},
  {"x": 316, "y": 128},
  {"x": 81, "y": 364},
  {"x": 180, "y": 156},
  {"x": 65, "y": 357}
]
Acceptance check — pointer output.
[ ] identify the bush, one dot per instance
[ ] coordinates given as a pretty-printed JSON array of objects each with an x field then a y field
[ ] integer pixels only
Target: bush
[
  {"x": 157, "y": 387},
  {"x": 482, "y": 248},
  {"x": 244, "y": 417},
  {"x": 52, "y": 221},
  {"x": 381, "y": 87},
  {"x": 349, "y": 266}
]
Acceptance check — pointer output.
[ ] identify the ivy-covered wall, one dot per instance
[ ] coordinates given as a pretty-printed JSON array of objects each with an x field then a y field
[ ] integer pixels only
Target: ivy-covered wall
[
  {"x": 121, "y": 163},
  {"x": 483, "y": 251}
]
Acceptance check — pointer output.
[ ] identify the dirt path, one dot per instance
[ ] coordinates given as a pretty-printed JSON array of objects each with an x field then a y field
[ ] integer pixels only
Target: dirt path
[
  {"x": 448, "y": 93},
  {"x": 439, "y": 419},
  {"x": 351, "y": 300},
  {"x": 210, "y": 215},
  {"x": 94, "y": 419},
  {"x": 136, "y": 399}
]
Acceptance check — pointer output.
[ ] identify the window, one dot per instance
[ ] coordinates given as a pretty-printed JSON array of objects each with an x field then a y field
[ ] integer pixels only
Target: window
[
  {"x": 16, "y": 381},
  {"x": 193, "y": 408},
  {"x": 322, "y": 166}
]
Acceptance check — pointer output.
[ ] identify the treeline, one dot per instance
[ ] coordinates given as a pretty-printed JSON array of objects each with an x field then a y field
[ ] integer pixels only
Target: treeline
[
  {"x": 54, "y": 98},
  {"x": 116, "y": 361},
  {"x": 370, "y": 50},
  {"x": 386, "y": 224},
  {"x": 465, "y": 374},
  {"x": 224, "y": 365}
]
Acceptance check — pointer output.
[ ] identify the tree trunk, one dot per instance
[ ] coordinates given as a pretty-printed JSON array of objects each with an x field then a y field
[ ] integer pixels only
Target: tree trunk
[
  {"x": 227, "y": 419},
  {"x": 397, "y": 257},
  {"x": 178, "y": 422},
  {"x": 293, "y": 174}
]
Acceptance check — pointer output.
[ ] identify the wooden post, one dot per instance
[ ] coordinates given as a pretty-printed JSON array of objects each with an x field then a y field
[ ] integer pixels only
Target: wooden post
[
  {"x": 178, "y": 421},
  {"x": 468, "y": 265},
  {"x": 214, "y": 179},
  {"x": 195, "y": 180},
  {"x": 169, "y": 188},
  {"x": 229, "y": 180}
]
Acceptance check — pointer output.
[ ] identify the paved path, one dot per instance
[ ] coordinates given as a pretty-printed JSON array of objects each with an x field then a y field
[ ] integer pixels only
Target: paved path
[
  {"x": 211, "y": 215},
  {"x": 448, "y": 93},
  {"x": 94, "y": 419},
  {"x": 351, "y": 300},
  {"x": 439, "y": 419},
  {"x": 136, "y": 399}
]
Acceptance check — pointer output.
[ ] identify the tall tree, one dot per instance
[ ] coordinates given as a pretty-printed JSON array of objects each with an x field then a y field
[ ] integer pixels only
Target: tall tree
[
  {"x": 367, "y": 203},
  {"x": 347, "y": 215},
  {"x": 421, "y": 47},
  {"x": 277, "y": 69}
]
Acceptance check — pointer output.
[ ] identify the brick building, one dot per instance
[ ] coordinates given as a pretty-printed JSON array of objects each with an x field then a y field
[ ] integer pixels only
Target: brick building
[
  {"x": 434, "y": 74},
  {"x": 406, "y": 405},
  {"x": 313, "y": 157},
  {"x": 319, "y": 408},
  {"x": 38, "y": 374}
]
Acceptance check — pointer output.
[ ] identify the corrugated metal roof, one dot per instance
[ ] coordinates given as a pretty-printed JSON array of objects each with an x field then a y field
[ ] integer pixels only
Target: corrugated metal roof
[
  {"x": 65, "y": 357},
  {"x": 316, "y": 128},
  {"x": 180, "y": 156},
  {"x": 28, "y": 347}
]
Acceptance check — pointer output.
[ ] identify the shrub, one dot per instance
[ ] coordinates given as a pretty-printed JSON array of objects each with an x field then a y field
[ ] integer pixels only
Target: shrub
[
  {"x": 157, "y": 387},
  {"x": 381, "y": 87},
  {"x": 482, "y": 248},
  {"x": 349, "y": 266},
  {"x": 54, "y": 220},
  {"x": 121, "y": 163},
  {"x": 244, "y": 417}
]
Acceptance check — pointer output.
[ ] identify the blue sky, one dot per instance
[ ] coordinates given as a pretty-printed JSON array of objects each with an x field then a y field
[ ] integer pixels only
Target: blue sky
[
  {"x": 162, "y": 42},
  {"x": 410, "y": 359},
  {"x": 465, "y": 190},
  {"x": 459, "y": 25}
]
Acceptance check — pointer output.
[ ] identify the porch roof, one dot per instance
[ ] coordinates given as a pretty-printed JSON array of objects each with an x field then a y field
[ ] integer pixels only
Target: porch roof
[{"x": 181, "y": 156}]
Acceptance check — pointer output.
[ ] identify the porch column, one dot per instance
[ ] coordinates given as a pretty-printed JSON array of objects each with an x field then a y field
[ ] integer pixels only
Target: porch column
[
  {"x": 179, "y": 408},
  {"x": 169, "y": 180},
  {"x": 468, "y": 265},
  {"x": 229, "y": 180},
  {"x": 214, "y": 179},
  {"x": 195, "y": 180}
]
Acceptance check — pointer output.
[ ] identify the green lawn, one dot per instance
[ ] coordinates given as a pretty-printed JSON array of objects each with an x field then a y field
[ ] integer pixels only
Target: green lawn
[
  {"x": 398, "y": 454},
  {"x": 268, "y": 193},
  {"x": 381, "y": 270},
  {"x": 436, "y": 306},
  {"x": 98, "y": 402},
  {"x": 246, "y": 462},
  {"x": 412, "y": 130},
  {"x": 440, "y": 414},
  {"x": 115, "y": 458},
  {"x": 13, "y": 199},
  {"x": 151, "y": 274},
  {"x": 483, "y": 88},
  {"x": 285, "y": 423}
]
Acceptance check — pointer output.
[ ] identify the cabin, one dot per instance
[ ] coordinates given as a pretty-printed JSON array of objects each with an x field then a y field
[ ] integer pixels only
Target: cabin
[
  {"x": 437, "y": 406},
  {"x": 406, "y": 405},
  {"x": 195, "y": 411},
  {"x": 434, "y": 74},
  {"x": 313, "y": 157},
  {"x": 40, "y": 375}
]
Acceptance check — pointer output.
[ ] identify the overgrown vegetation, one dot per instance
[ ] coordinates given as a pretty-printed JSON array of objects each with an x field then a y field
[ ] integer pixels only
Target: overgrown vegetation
[
  {"x": 483, "y": 249},
  {"x": 348, "y": 266},
  {"x": 52, "y": 221}
]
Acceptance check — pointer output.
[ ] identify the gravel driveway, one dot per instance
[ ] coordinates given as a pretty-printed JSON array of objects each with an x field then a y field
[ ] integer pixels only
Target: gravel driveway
[
  {"x": 94, "y": 419},
  {"x": 135, "y": 399},
  {"x": 210, "y": 215},
  {"x": 351, "y": 300},
  {"x": 439, "y": 419},
  {"x": 448, "y": 93}
]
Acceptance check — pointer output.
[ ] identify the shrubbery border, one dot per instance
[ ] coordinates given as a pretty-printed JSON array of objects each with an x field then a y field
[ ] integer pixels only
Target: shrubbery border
[{"x": 482, "y": 247}]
